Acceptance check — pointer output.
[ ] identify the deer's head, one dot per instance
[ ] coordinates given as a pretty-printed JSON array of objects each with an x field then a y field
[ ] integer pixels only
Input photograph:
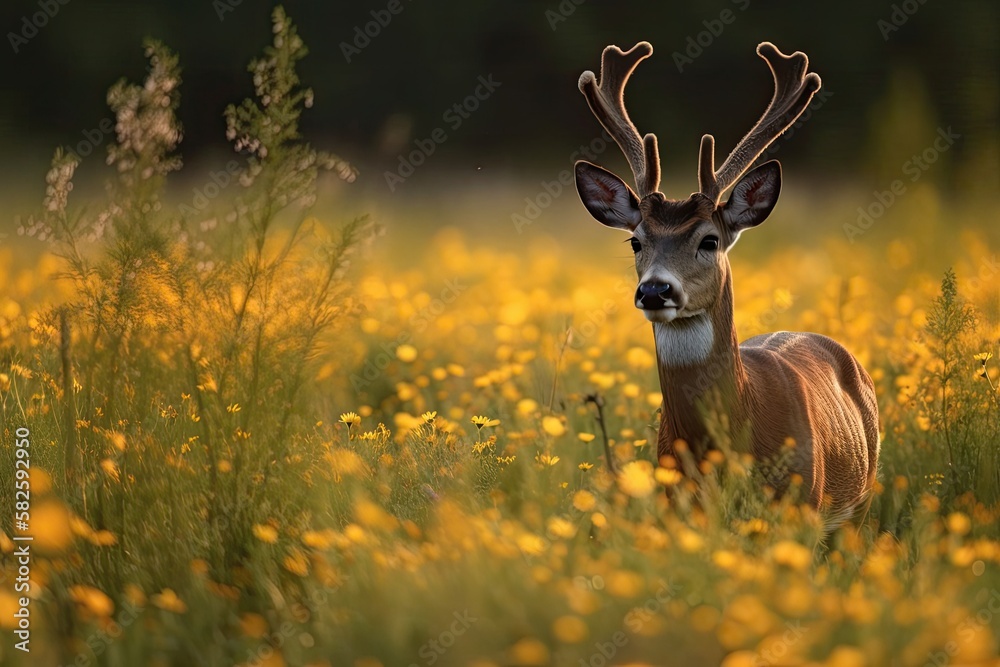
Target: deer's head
[{"x": 681, "y": 246}]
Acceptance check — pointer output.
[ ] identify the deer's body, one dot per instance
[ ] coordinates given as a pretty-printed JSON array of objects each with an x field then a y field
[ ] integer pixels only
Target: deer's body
[{"x": 776, "y": 389}]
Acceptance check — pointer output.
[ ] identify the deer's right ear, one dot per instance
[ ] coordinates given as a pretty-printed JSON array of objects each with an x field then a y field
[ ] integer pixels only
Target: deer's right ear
[{"x": 607, "y": 197}]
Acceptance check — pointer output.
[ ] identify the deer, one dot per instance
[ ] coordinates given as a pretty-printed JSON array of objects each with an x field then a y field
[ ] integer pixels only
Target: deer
[{"x": 776, "y": 389}]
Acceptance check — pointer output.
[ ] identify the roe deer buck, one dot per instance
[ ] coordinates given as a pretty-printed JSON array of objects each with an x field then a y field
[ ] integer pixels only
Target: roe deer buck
[{"x": 773, "y": 387}]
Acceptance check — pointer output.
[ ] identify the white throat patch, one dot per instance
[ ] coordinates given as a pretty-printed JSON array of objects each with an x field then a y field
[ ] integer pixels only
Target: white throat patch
[{"x": 684, "y": 342}]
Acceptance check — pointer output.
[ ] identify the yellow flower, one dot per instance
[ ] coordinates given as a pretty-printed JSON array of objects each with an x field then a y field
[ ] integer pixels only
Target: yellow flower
[
  {"x": 253, "y": 625},
  {"x": 585, "y": 437},
  {"x": 265, "y": 533},
  {"x": 481, "y": 421},
  {"x": 569, "y": 629},
  {"x": 585, "y": 466},
  {"x": 668, "y": 476},
  {"x": 296, "y": 563},
  {"x": 529, "y": 652},
  {"x": 350, "y": 418},
  {"x": 110, "y": 469},
  {"x": 640, "y": 358},
  {"x": 792, "y": 554},
  {"x": 526, "y": 406},
  {"x": 406, "y": 353},
  {"x": 959, "y": 523},
  {"x": 983, "y": 357},
  {"x": 560, "y": 527},
  {"x": 168, "y": 601},
  {"x": 52, "y": 526},
  {"x": 636, "y": 479},
  {"x": 235, "y": 407},
  {"x": 546, "y": 459},
  {"x": 584, "y": 500},
  {"x": 553, "y": 426},
  {"x": 429, "y": 416},
  {"x": 93, "y": 600}
]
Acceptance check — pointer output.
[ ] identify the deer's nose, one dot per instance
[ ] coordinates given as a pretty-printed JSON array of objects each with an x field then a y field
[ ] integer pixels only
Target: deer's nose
[{"x": 654, "y": 295}]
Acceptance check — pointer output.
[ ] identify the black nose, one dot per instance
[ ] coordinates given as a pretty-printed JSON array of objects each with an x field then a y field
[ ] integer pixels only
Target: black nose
[{"x": 653, "y": 295}]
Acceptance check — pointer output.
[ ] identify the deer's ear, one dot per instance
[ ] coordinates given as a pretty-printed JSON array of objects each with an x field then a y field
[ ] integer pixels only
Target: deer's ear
[
  {"x": 753, "y": 197},
  {"x": 607, "y": 197}
]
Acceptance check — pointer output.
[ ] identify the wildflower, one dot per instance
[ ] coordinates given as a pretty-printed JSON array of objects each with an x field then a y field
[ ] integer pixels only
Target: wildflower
[
  {"x": 527, "y": 406},
  {"x": 792, "y": 555},
  {"x": 92, "y": 600},
  {"x": 585, "y": 437},
  {"x": 640, "y": 358},
  {"x": 233, "y": 408},
  {"x": 529, "y": 652},
  {"x": 296, "y": 563},
  {"x": 429, "y": 416},
  {"x": 546, "y": 459},
  {"x": 168, "y": 601},
  {"x": 569, "y": 629},
  {"x": 983, "y": 357},
  {"x": 110, "y": 469},
  {"x": 959, "y": 523},
  {"x": 584, "y": 500},
  {"x": 253, "y": 625},
  {"x": 636, "y": 479},
  {"x": 102, "y": 538},
  {"x": 406, "y": 353},
  {"x": 350, "y": 418},
  {"x": 553, "y": 426},
  {"x": 560, "y": 527},
  {"x": 481, "y": 421},
  {"x": 585, "y": 466},
  {"x": 52, "y": 526},
  {"x": 265, "y": 533},
  {"x": 667, "y": 476}
]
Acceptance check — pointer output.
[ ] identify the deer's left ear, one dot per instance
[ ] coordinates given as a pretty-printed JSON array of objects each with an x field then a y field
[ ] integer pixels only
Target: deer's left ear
[{"x": 753, "y": 198}]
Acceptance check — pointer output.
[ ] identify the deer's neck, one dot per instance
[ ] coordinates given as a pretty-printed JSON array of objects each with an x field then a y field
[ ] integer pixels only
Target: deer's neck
[{"x": 701, "y": 376}]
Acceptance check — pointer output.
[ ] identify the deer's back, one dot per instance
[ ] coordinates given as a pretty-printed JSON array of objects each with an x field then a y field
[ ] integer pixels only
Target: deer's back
[{"x": 808, "y": 387}]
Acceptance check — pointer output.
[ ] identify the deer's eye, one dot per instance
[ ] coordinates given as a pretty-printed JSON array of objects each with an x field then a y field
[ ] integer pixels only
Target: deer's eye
[
  {"x": 709, "y": 243},
  {"x": 636, "y": 247}
]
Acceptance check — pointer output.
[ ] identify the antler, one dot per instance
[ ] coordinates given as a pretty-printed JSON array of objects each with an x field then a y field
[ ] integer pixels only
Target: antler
[
  {"x": 793, "y": 90},
  {"x": 606, "y": 100}
]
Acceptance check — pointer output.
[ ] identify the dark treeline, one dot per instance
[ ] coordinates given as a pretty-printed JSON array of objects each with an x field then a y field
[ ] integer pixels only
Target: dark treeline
[{"x": 387, "y": 72}]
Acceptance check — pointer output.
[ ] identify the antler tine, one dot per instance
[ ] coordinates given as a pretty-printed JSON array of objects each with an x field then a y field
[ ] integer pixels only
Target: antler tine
[
  {"x": 793, "y": 90},
  {"x": 607, "y": 101}
]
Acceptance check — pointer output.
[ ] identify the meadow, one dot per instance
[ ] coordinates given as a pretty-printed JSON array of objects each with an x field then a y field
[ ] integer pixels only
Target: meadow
[{"x": 263, "y": 432}]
